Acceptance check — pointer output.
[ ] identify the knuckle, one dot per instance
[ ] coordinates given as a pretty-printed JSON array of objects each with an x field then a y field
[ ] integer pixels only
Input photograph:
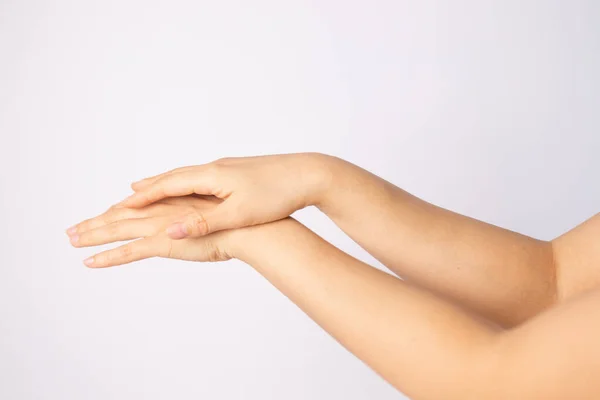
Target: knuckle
[
  {"x": 126, "y": 252},
  {"x": 105, "y": 258},
  {"x": 110, "y": 256},
  {"x": 112, "y": 230},
  {"x": 214, "y": 168},
  {"x": 199, "y": 224},
  {"x": 101, "y": 220},
  {"x": 215, "y": 176},
  {"x": 87, "y": 224},
  {"x": 223, "y": 160}
]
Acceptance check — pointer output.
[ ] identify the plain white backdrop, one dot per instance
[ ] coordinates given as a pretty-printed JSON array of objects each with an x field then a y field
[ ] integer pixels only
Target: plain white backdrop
[{"x": 489, "y": 108}]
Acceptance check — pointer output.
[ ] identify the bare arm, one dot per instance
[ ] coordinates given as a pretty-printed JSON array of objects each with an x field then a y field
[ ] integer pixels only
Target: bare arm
[
  {"x": 413, "y": 338},
  {"x": 407, "y": 334},
  {"x": 577, "y": 258},
  {"x": 505, "y": 276}
]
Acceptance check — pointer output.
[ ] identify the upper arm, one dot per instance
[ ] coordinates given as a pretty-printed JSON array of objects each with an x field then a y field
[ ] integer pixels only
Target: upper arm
[
  {"x": 555, "y": 355},
  {"x": 577, "y": 259}
]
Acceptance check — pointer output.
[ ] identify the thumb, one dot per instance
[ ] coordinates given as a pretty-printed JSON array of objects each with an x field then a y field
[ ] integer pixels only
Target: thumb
[{"x": 201, "y": 223}]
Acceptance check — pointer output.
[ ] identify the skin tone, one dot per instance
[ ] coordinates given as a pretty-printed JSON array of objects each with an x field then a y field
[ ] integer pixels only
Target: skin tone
[{"x": 482, "y": 311}]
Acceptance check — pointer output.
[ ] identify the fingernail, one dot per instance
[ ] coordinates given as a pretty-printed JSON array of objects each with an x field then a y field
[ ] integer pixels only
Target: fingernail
[
  {"x": 89, "y": 261},
  {"x": 177, "y": 231},
  {"x": 74, "y": 239},
  {"x": 72, "y": 230}
]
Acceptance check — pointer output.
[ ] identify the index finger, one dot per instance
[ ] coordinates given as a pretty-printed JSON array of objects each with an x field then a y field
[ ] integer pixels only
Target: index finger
[
  {"x": 143, "y": 183},
  {"x": 174, "y": 185}
]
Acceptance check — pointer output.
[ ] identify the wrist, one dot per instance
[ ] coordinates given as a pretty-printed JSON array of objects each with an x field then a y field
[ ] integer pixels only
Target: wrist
[
  {"x": 232, "y": 241},
  {"x": 245, "y": 244},
  {"x": 239, "y": 243},
  {"x": 319, "y": 177}
]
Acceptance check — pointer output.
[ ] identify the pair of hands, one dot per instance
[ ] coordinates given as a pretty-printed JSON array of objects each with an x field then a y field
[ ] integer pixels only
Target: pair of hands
[{"x": 193, "y": 213}]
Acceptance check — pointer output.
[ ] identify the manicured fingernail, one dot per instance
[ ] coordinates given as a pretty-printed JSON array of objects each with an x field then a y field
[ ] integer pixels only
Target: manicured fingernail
[
  {"x": 177, "y": 231},
  {"x": 74, "y": 239},
  {"x": 89, "y": 261},
  {"x": 72, "y": 230}
]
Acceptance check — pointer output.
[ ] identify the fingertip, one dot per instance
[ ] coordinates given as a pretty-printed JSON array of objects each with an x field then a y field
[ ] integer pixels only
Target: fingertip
[
  {"x": 74, "y": 240},
  {"x": 137, "y": 184},
  {"x": 89, "y": 262}
]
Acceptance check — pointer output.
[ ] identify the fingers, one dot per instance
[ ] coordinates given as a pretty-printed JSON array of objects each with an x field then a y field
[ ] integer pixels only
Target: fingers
[
  {"x": 177, "y": 184},
  {"x": 193, "y": 199},
  {"x": 144, "y": 183},
  {"x": 116, "y": 214},
  {"x": 201, "y": 223},
  {"x": 130, "y": 252},
  {"x": 108, "y": 217},
  {"x": 127, "y": 229}
]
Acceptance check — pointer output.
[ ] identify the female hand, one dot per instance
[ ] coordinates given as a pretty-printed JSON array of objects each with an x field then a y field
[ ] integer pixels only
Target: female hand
[
  {"x": 254, "y": 190},
  {"x": 147, "y": 224}
]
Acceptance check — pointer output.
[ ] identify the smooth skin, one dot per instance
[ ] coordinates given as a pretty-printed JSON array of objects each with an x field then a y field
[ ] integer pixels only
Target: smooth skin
[{"x": 483, "y": 312}]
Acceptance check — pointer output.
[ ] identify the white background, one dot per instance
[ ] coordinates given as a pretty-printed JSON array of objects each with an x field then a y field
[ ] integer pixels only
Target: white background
[{"x": 487, "y": 108}]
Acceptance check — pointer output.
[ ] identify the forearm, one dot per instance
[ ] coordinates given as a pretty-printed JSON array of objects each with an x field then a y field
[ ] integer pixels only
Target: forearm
[
  {"x": 502, "y": 275},
  {"x": 406, "y": 334}
]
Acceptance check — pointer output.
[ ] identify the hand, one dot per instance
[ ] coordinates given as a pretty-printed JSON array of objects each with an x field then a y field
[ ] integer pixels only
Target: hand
[
  {"x": 254, "y": 190},
  {"x": 148, "y": 225}
]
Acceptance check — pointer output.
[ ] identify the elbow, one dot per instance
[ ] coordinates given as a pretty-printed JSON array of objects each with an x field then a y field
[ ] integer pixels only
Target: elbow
[{"x": 555, "y": 268}]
